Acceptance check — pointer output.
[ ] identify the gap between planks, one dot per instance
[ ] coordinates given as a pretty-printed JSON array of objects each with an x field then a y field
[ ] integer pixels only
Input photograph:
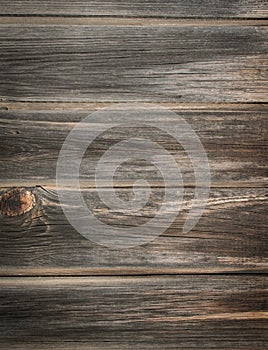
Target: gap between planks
[
  {"x": 125, "y": 272},
  {"x": 50, "y": 185},
  {"x": 122, "y": 21}
]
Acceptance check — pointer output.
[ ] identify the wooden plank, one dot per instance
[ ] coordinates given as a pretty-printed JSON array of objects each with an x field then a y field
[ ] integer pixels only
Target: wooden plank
[
  {"x": 138, "y": 8},
  {"x": 231, "y": 236},
  {"x": 128, "y": 63},
  {"x": 235, "y": 141},
  {"x": 93, "y": 106},
  {"x": 126, "y": 21},
  {"x": 178, "y": 312}
]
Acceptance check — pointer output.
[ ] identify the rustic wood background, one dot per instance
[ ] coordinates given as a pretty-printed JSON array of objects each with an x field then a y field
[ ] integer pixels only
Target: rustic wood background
[{"x": 205, "y": 60}]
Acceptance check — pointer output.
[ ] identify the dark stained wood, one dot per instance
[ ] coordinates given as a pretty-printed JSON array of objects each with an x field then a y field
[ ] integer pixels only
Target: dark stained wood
[
  {"x": 179, "y": 312},
  {"x": 138, "y": 8},
  {"x": 206, "y": 289},
  {"x": 235, "y": 141},
  {"x": 231, "y": 236},
  {"x": 133, "y": 63}
]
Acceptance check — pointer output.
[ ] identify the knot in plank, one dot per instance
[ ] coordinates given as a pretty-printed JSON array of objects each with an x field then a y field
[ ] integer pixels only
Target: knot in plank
[{"x": 17, "y": 201}]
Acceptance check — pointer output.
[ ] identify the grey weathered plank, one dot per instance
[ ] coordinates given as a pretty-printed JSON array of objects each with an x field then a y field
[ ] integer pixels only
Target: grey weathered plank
[
  {"x": 235, "y": 141},
  {"x": 230, "y": 236},
  {"x": 130, "y": 63},
  {"x": 178, "y": 312},
  {"x": 50, "y": 55},
  {"x": 138, "y": 8}
]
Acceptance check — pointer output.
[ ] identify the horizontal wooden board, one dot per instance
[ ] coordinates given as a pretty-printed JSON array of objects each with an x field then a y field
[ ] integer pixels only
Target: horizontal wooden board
[
  {"x": 138, "y": 8},
  {"x": 133, "y": 63},
  {"x": 88, "y": 107},
  {"x": 178, "y": 312},
  {"x": 231, "y": 236},
  {"x": 128, "y": 21},
  {"x": 235, "y": 141}
]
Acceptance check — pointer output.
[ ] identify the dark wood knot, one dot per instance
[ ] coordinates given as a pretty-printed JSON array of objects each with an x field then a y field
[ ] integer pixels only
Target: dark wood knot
[{"x": 17, "y": 201}]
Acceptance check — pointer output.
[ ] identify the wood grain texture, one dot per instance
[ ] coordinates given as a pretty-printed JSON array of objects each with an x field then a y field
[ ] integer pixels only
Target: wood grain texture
[
  {"x": 123, "y": 63},
  {"x": 179, "y": 312},
  {"x": 235, "y": 141},
  {"x": 231, "y": 236},
  {"x": 93, "y": 106},
  {"x": 128, "y": 21},
  {"x": 138, "y": 8},
  {"x": 60, "y": 61}
]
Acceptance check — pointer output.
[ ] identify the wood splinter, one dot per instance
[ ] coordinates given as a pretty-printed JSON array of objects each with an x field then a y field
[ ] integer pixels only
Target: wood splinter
[{"x": 17, "y": 201}]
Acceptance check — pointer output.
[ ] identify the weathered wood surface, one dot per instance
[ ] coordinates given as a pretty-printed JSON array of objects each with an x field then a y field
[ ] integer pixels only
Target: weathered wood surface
[
  {"x": 138, "y": 8},
  {"x": 230, "y": 236},
  {"x": 59, "y": 62},
  {"x": 133, "y": 63},
  {"x": 179, "y": 312},
  {"x": 235, "y": 141}
]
